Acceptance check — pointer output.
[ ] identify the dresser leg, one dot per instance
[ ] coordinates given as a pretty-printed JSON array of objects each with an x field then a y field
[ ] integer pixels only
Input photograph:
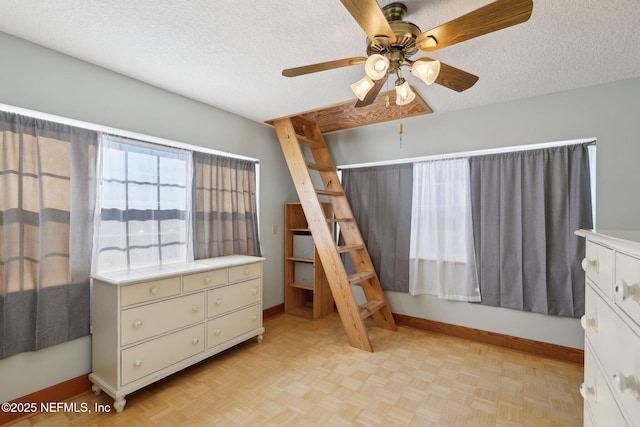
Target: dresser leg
[
  {"x": 119, "y": 403},
  {"x": 95, "y": 389},
  {"x": 260, "y": 338}
]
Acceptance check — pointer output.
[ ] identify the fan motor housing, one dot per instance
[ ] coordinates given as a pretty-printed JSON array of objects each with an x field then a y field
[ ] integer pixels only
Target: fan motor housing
[{"x": 406, "y": 34}]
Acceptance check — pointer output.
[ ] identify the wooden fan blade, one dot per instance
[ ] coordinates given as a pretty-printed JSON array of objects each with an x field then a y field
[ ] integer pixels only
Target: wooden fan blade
[
  {"x": 370, "y": 18},
  {"x": 322, "y": 66},
  {"x": 492, "y": 17},
  {"x": 373, "y": 92},
  {"x": 452, "y": 77}
]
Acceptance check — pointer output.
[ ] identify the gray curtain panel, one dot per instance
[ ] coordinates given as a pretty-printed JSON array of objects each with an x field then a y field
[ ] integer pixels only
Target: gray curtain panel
[
  {"x": 46, "y": 202},
  {"x": 380, "y": 199},
  {"x": 526, "y": 207},
  {"x": 226, "y": 217}
]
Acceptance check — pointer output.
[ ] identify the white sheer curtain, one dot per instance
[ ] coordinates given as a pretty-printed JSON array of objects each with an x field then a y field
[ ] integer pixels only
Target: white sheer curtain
[
  {"x": 441, "y": 254},
  {"x": 143, "y": 209}
]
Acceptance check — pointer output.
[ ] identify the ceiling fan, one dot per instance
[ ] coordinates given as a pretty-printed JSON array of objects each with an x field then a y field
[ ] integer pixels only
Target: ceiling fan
[{"x": 392, "y": 41}]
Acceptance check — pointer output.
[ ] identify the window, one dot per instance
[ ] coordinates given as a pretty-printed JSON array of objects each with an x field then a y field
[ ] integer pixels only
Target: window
[{"x": 143, "y": 214}]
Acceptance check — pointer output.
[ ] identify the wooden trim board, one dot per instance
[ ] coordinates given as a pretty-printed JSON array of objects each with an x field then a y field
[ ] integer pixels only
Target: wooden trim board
[
  {"x": 56, "y": 393},
  {"x": 552, "y": 351},
  {"x": 273, "y": 311},
  {"x": 345, "y": 115},
  {"x": 538, "y": 348}
]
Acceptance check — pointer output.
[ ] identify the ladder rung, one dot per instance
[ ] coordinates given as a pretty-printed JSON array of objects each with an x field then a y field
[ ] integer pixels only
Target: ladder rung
[
  {"x": 338, "y": 220},
  {"x": 370, "y": 307},
  {"x": 349, "y": 248},
  {"x": 361, "y": 277},
  {"x": 329, "y": 192},
  {"x": 308, "y": 142},
  {"x": 318, "y": 167}
]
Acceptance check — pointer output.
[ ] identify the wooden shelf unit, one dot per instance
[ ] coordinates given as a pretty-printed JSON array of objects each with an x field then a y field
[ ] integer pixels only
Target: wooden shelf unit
[{"x": 311, "y": 298}]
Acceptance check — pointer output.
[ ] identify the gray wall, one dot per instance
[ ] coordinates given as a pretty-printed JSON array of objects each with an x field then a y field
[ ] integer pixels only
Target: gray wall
[
  {"x": 607, "y": 112},
  {"x": 42, "y": 80}
]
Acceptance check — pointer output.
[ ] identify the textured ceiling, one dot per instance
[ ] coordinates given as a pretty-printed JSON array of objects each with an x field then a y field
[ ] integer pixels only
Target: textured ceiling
[{"x": 231, "y": 54}]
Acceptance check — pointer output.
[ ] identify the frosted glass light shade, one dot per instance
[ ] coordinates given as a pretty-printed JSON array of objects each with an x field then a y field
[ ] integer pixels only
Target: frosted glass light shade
[
  {"x": 376, "y": 66},
  {"x": 404, "y": 94},
  {"x": 427, "y": 71},
  {"x": 362, "y": 87}
]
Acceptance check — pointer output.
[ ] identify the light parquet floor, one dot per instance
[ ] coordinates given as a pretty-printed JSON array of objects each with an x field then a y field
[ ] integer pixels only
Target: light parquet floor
[{"x": 305, "y": 374}]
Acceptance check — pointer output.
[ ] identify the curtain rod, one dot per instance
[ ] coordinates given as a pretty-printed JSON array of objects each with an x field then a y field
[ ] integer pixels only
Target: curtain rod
[
  {"x": 119, "y": 132},
  {"x": 465, "y": 154}
]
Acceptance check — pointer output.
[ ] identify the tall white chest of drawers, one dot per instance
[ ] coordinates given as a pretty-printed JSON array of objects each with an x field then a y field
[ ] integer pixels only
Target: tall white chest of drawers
[
  {"x": 152, "y": 322},
  {"x": 611, "y": 387}
]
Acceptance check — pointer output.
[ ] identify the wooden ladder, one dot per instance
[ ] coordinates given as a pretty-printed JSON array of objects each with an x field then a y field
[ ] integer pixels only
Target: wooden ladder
[{"x": 294, "y": 133}]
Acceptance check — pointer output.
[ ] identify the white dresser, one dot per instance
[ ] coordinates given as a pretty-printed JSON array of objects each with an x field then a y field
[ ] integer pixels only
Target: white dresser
[
  {"x": 611, "y": 387},
  {"x": 152, "y": 322}
]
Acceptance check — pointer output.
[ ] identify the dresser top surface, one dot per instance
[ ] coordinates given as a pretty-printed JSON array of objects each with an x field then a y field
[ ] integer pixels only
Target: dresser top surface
[
  {"x": 627, "y": 239},
  {"x": 125, "y": 277}
]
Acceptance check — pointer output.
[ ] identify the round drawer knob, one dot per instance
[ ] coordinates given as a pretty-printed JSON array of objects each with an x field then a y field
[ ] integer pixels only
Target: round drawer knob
[
  {"x": 207, "y": 280},
  {"x": 195, "y": 308},
  {"x": 218, "y": 301},
  {"x": 589, "y": 323},
  {"x": 625, "y": 291},
  {"x": 137, "y": 362},
  {"x": 246, "y": 271},
  {"x": 624, "y": 383},
  {"x": 153, "y": 290},
  {"x": 255, "y": 291},
  {"x": 137, "y": 323},
  {"x": 589, "y": 265},
  {"x": 218, "y": 332},
  {"x": 195, "y": 340},
  {"x": 254, "y": 317},
  {"x": 587, "y": 392}
]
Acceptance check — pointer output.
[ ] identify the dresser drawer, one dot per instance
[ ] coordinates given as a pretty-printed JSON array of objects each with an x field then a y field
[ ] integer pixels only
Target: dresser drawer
[
  {"x": 194, "y": 282},
  {"x": 597, "y": 396},
  {"x": 627, "y": 285},
  {"x": 244, "y": 272},
  {"x": 144, "y": 359},
  {"x": 617, "y": 347},
  {"x": 146, "y": 321},
  {"x": 149, "y": 291},
  {"x": 232, "y": 325},
  {"x": 227, "y": 298},
  {"x": 598, "y": 266},
  {"x": 597, "y": 320}
]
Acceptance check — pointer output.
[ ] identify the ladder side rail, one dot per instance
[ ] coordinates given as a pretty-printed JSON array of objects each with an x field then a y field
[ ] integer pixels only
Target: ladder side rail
[
  {"x": 350, "y": 231},
  {"x": 325, "y": 244}
]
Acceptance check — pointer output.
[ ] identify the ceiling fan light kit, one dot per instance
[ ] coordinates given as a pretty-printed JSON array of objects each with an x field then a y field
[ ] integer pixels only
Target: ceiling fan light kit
[
  {"x": 362, "y": 87},
  {"x": 391, "y": 41},
  {"x": 376, "y": 66},
  {"x": 426, "y": 70},
  {"x": 404, "y": 94}
]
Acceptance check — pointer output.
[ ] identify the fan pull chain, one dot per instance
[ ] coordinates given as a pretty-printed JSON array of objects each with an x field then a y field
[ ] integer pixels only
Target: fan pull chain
[
  {"x": 387, "y": 102},
  {"x": 400, "y": 128}
]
